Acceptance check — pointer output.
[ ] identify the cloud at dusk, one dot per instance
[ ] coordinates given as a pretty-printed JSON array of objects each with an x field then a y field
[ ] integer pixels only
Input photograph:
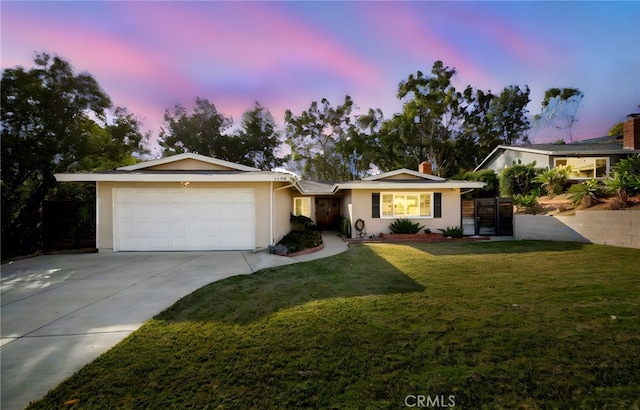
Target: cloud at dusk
[{"x": 149, "y": 56}]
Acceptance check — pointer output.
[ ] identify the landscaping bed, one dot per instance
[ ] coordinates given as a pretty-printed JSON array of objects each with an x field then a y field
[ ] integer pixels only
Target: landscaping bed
[
  {"x": 418, "y": 237},
  {"x": 561, "y": 205}
]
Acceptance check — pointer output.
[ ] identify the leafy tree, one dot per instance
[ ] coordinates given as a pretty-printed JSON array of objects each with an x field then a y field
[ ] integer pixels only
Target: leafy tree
[
  {"x": 200, "y": 131},
  {"x": 616, "y": 129},
  {"x": 315, "y": 137},
  {"x": 396, "y": 144},
  {"x": 359, "y": 145},
  {"x": 54, "y": 120},
  {"x": 205, "y": 131},
  {"x": 559, "y": 109},
  {"x": 116, "y": 144},
  {"x": 508, "y": 115},
  {"x": 257, "y": 140},
  {"x": 492, "y": 120},
  {"x": 434, "y": 102},
  {"x": 45, "y": 116}
]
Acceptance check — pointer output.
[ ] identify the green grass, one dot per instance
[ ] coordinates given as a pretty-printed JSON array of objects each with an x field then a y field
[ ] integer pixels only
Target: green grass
[{"x": 495, "y": 324}]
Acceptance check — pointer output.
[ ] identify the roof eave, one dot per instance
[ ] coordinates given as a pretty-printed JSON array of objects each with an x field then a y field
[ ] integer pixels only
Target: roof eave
[
  {"x": 412, "y": 185},
  {"x": 183, "y": 156},
  {"x": 403, "y": 171},
  {"x": 171, "y": 177}
]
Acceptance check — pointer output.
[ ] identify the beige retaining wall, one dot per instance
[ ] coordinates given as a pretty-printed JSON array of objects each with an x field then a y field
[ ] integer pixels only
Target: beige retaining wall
[{"x": 617, "y": 228}]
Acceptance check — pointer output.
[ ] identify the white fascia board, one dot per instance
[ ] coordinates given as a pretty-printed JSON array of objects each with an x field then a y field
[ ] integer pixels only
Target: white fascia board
[
  {"x": 411, "y": 185},
  {"x": 488, "y": 157},
  {"x": 525, "y": 149},
  {"x": 403, "y": 171},
  {"x": 241, "y": 177},
  {"x": 186, "y": 155}
]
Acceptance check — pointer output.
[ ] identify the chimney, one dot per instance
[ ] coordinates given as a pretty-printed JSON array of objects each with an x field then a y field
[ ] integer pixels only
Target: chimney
[
  {"x": 425, "y": 167},
  {"x": 631, "y": 133}
]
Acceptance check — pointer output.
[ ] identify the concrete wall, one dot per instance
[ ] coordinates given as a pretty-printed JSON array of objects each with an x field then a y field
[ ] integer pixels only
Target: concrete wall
[{"x": 617, "y": 228}]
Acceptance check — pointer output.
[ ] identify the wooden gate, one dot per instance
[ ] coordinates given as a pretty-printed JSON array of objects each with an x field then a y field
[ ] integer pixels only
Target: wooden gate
[{"x": 493, "y": 216}]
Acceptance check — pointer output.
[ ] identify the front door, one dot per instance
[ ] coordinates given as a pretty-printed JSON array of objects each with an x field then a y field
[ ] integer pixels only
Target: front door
[{"x": 327, "y": 213}]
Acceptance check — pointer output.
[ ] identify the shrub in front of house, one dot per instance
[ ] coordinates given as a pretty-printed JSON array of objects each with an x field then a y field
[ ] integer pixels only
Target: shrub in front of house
[
  {"x": 405, "y": 226},
  {"x": 304, "y": 235},
  {"x": 344, "y": 227},
  {"x": 527, "y": 202},
  {"x": 586, "y": 193},
  {"x": 553, "y": 180},
  {"x": 296, "y": 241},
  {"x": 453, "y": 231},
  {"x": 518, "y": 179}
]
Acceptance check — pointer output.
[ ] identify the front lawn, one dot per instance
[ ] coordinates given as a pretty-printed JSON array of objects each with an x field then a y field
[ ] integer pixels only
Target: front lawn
[{"x": 479, "y": 325}]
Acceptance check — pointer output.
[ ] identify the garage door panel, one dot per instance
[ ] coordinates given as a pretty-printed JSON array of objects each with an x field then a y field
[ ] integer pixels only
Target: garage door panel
[
  {"x": 177, "y": 211},
  {"x": 144, "y": 197},
  {"x": 179, "y": 219},
  {"x": 194, "y": 227},
  {"x": 178, "y": 227},
  {"x": 125, "y": 228},
  {"x": 160, "y": 242},
  {"x": 243, "y": 211},
  {"x": 143, "y": 227},
  {"x": 159, "y": 212},
  {"x": 125, "y": 211},
  {"x": 178, "y": 243}
]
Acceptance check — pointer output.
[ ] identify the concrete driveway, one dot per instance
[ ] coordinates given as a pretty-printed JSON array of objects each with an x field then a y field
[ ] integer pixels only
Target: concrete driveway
[{"x": 59, "y": 312}]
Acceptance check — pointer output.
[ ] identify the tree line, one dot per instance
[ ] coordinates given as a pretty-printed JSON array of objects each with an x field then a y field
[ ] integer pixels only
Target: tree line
[{"x": 55, "y": 120}]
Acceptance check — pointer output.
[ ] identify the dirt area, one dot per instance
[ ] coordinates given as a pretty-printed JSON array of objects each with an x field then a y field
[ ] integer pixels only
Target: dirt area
[{"x": 561, "y": 205}]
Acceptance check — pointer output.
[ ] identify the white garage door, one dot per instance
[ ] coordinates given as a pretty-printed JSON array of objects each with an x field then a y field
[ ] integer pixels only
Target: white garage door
[{"x": 183, "y": 219}]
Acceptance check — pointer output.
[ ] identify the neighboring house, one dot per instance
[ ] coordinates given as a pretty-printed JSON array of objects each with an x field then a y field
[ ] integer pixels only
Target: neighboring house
[
  {"x": 193, "y": 202},
  {"x": 588, "y": 159}
]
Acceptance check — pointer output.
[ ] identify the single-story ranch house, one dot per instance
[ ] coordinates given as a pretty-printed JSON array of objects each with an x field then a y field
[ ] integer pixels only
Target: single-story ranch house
[
  {"x": 193, "y": 202},
  {"x": 592, "y": 158}
]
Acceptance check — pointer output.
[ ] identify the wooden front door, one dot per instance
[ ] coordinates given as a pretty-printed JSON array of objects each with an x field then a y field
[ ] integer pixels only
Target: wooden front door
[{"x": 327, "y": 213}]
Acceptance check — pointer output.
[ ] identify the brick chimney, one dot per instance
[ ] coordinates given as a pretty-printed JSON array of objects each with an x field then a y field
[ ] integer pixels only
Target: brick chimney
[
  {"x": 631, "y": 133},
  {"x": 425, "y": 167}
]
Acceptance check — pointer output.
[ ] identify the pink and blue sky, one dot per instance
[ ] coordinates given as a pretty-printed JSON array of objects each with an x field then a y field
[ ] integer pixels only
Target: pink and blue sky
[{"x": 150, "y": 55}]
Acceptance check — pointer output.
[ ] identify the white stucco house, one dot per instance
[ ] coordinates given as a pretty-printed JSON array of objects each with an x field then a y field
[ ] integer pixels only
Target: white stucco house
[
  {"x": 587, "y": 159},
  {"x": 193, "y": 202}
]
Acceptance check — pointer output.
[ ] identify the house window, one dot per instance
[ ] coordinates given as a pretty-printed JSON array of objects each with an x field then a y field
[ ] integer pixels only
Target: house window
[
  {"x": 302, "y": 206},
  {"x": 406, "y": 205},
  {"x": 584, "y": 167}
]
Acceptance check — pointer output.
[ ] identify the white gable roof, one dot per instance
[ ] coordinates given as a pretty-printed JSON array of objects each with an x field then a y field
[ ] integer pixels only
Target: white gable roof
[
  {"x": 401, "y": 171},
  {"x": 185, "y": 156}
]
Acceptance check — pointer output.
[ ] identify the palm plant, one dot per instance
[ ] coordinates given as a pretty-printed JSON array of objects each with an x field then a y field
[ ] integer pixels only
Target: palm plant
[
  {"x": 405, "y": 226},
  {"x": 553, "y": 180},
  {"x": 586, "y": 193},
  {"x": 626, "y": 179}
]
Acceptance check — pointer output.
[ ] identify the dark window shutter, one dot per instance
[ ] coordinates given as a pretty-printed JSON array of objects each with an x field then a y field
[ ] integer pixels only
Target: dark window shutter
[
  {"x": 437, "y": 205},
  {"x": 375, "y": 205}
]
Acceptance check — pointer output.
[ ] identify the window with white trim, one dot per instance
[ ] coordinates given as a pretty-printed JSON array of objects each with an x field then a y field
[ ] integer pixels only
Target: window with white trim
[
  {"x": 584, "y": 167},
  {"x": 302, "y": 206},
  {"x": 406, "y": 204}
]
